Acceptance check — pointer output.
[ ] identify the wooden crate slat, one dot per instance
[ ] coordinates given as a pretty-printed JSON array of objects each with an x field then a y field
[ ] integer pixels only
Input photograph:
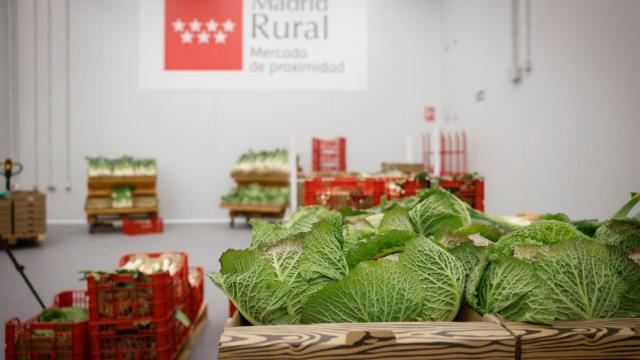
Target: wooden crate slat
[
  {"x": 592, "y": 339},
  {"x": 107, "y": 192},
  {"x": 254, "y": 208},
  {"x": 96, "y": 182},
  {"x": 264, "y": 180}
]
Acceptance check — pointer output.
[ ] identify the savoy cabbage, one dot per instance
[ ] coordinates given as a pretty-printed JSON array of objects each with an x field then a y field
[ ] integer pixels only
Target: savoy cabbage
[{"x": 418, "y": 259}]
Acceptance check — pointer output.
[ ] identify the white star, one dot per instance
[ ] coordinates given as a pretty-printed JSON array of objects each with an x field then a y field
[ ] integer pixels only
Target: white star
[
  {"x": 212, "y": 25},
  {"x": 178, "y": 26},
  {"x": 203, "y": 38},
  {"x": 186, "y": 37},
  {"x": 220, "y": 37},
  {"x": 195, "y": 25},
  {"x": 229, "y": 25}
]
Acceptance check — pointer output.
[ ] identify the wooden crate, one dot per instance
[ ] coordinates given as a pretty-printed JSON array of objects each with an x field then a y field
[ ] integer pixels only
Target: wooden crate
[
  {"x": 593, "y": 339},
  {"x": 470, "y": 336},
  {"x": 273, "y": 180},
  {"x": 474, "y": 338},
  {"x": 29, "y": 215},
  {"x": 101, "y": 185},
  {"x": 29, "y": 212},
  {"x": 5, "y": 216}
]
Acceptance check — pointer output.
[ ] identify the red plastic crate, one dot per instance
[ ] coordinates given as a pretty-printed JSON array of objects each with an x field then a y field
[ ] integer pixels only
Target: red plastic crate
[
  {"x": 142, "y": 226},
  {"x": 50, "y": 341},
  {"x": 232, "y": 308},
  {"x": 335, "y": 192},
  {"x": 155, "y": 339},
  {"x": 329, "y": 155},
  {"x": 470, "y": 191},
  {"x": 181, "y": 277},
  {"x": 125, "y": 296},
  {"x": 196, "y": 295},
  {"x": 411, "y": 187}
]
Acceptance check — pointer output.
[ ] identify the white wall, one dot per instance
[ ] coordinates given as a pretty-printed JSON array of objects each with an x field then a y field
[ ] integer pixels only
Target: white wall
[
  {"x": 566, "y": 137},
  {"x": 4, "y": 82},
  {"x": 562, "y": 140},
  {"x": 197, "y": 135}
]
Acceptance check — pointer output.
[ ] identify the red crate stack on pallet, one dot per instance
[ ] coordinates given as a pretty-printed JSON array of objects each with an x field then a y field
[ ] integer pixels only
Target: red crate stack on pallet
[
  {"x": 34, "y": 340},
  {"x": 134, "y": 315}
]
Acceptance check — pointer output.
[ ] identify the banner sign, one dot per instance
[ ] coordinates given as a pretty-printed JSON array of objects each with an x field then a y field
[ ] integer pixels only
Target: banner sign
[{"x": 253, "y": 44}]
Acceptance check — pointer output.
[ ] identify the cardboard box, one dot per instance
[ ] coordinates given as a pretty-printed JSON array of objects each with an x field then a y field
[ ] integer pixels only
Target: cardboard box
[{"x": 472, "y": 337}]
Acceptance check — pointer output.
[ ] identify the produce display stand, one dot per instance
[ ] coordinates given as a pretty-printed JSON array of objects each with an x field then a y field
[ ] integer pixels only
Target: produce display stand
[
  {"x": 470, "y": 336},
  {"x": 23, "y": 217},
  {"x": 250, "y": 211},
  {"x": 100, "y": 187}
]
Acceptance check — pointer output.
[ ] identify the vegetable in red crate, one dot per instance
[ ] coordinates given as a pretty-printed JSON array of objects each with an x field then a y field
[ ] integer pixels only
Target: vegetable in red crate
[
  {"x": 145, "y": 286},
  {"x": 58, "y": 332}
]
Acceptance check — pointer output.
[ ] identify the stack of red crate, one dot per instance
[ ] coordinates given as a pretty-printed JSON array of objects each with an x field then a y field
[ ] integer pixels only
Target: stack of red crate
[
  {"x": 34, "y": 340},
  {"x": 133, "y": 316},
  {"x": 130, "y": 317}
]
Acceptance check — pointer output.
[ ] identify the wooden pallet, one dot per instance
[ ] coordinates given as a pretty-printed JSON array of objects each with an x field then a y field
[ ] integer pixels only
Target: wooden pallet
[
  {"x": 100, "y": 187},
  {"x": 100, "y": 220},
  {"x": 253, "y": 211},
  {"x": 197, "y": 329},
  {"x": 14, "y": 239}
]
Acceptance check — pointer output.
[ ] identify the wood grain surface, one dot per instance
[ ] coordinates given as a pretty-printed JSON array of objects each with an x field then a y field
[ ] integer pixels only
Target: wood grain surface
[
  {"x": 594, "y": 339},
  {"x": 452, "y": 340}
]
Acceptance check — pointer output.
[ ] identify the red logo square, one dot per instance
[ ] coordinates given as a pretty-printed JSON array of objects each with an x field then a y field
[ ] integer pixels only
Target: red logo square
[{"x": 203, "y": 35}]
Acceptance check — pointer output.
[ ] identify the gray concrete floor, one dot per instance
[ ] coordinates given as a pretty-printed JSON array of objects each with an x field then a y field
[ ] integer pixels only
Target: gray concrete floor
[{"x": 55, "y": 266}]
